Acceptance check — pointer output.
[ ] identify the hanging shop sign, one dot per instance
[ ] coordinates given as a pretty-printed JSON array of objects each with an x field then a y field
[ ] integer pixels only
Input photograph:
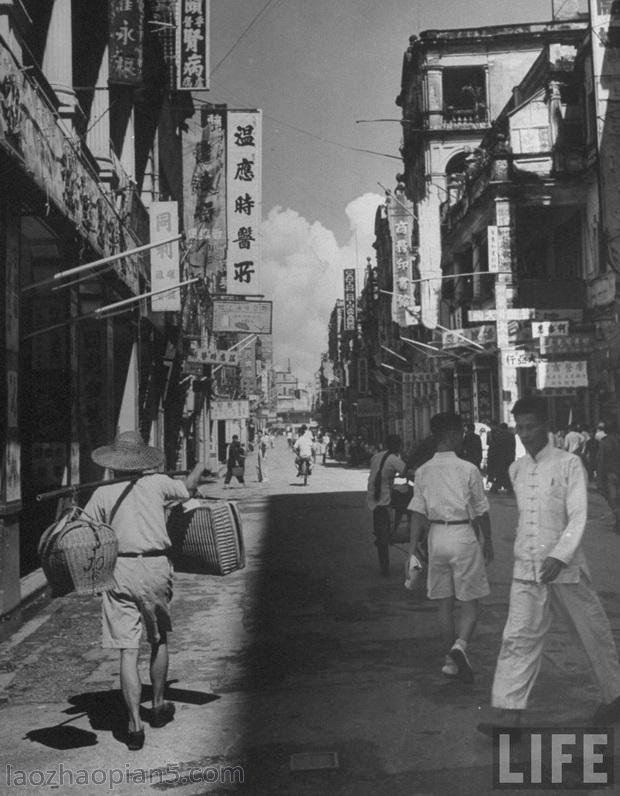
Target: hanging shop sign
[
  {"x": 230, "y": 410},
  {"x": 549, "y": 328},
  {"x": 568, "y": 344},
  {"x": 164, "y": 223},
  {"x": 499, "y": 248},
  {"x": 572, "y": 315},
  {"x": 193, "y": 45},
  {"x": 602, "y": 291},
  {"x": 204, "y": 199},
  {"x": 478, "y": 334},
  {"x": 555, "y": 392},
  {"x": 561, "y": 373},
  {"x": 350, "y": 302},
  {"x": 244, "y": 201},
  {"x": 511, "y": 314},
  {"x": 251, "y": 317},
  {"x": 513, "y": 358},
  {"x": 126, "y": 41},
  {"x": 212, "y": 356},
  {"x": 405, "y": 306}
]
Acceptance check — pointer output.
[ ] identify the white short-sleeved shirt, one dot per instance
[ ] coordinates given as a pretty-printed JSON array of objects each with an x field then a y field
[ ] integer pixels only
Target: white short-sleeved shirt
[
  {"x": 392, "y": 467},
  {"x": 448, "y": 488},
  {"x": 139, "y": 521}
]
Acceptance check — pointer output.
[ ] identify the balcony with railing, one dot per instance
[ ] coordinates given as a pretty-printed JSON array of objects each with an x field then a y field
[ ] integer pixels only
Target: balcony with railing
[{"x": 472, "y": 118}]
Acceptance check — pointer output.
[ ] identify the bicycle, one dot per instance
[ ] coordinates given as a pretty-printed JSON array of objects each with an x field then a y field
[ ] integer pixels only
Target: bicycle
[{"x": 304, "y": 469}]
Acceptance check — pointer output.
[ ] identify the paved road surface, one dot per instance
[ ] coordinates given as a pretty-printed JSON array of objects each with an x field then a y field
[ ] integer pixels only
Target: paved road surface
[{"x": 306, "y": 650}]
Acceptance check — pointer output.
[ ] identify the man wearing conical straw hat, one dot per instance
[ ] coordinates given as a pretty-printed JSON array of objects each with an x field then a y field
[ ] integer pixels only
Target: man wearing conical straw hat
[{"x": 143, "y": 573}]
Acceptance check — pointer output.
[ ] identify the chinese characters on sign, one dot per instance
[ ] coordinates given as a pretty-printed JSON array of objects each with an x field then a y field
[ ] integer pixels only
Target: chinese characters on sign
[
  {"x": 400, "y": 218},
  {"x": 212, "y": 356},
  {"x": 478, "y": 334},
  {"x": 244, "y": 199},
  {"x": 513, "y": 358},
  {"x": 164, "y": 222},
  {"x": 549, "y": 328},
  {"x": 350, "y": 313},
  {"x": 230, "y": 410},
  {"x": 193, "y": 44},
  {"x": 569, "y": 344},
  {"x": 126, "y": 41},
  {"x": 204, "y": 200},
  {"x": 561, "y": 373}
]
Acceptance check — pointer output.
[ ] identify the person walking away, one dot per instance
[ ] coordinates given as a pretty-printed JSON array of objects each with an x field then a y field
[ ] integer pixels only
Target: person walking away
[
  {"x": 142, "y": 578},
  {"x": 303, "y": 448},
  {"x": 573, "y": 440},
  {"x": 235, "y": 460},
  {"x": 504, "y": 455},
  {"x": 471, "y": 448},
  {"x": 261, "y": 455},
  {"x": 550, "y": 574},
  {"x": 449, "y": 502},
  {"x": 385, "y": 465},
  {"x": 608, "y": 470}
]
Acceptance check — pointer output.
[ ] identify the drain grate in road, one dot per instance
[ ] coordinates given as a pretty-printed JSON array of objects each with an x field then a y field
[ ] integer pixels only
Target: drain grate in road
[{"x": 313, "y": 761}]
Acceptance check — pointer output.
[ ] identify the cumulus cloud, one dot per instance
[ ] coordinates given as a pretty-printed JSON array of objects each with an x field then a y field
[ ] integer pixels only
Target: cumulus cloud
[{"x": 302, "y": 274}]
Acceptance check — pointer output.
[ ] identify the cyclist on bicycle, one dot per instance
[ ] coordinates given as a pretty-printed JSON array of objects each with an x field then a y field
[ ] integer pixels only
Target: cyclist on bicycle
[{"x": 303, "y": 448}]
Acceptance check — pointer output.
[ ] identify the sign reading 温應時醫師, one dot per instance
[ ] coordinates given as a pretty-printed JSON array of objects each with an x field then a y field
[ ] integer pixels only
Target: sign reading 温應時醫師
[
  {"x": 561, "y": 373},
  {"x": 244, "y": 201}
]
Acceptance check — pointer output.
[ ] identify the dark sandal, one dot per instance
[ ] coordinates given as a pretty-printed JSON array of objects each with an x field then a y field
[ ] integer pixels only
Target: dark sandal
[
  {"x": 135, "y": 740},
  {"x": 162, "y": 715}
]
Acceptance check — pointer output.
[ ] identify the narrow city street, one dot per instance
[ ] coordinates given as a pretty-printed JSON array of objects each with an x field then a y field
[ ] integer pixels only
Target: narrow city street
[{"x": 307, "y": 651}]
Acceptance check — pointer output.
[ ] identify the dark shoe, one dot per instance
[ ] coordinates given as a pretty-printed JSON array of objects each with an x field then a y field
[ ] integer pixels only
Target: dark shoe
[
  {"x": 493, "y": 731},
  {"x": 135, "y": 740},
  {"x": 466, "y": 673},
  {"x": 607, "y": 714},
  {"x": 162, "y": 715}
]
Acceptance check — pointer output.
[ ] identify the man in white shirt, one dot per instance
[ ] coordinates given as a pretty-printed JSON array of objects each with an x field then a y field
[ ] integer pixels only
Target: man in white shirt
[
  {"x": 450, "y": 502},
  {"x": 573, "y": 439},
  {"x": 303, "y": 447},
  {"x": 550, "y": 574},
  {"x": 384, "y": 467}
]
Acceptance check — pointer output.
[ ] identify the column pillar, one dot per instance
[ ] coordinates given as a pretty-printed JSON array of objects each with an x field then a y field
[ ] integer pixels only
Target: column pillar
[
  {"x": 504, "y": 292},
  {"x": 10, "y": 464},
  {"x": 58, "y": 57},
  {"x": 98, "y": 135}
]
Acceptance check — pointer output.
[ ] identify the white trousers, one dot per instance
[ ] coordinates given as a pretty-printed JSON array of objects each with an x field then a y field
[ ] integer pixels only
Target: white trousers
[{"x": 529, "y": 619}]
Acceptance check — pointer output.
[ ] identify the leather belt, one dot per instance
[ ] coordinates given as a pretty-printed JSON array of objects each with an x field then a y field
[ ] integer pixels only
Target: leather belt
[
  {"x": 450, "y": 522},
  {"x": 146, "y": 554}
]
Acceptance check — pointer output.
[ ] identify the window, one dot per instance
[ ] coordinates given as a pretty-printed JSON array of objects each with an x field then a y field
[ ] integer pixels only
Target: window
[{"x": 464, "y": 94}]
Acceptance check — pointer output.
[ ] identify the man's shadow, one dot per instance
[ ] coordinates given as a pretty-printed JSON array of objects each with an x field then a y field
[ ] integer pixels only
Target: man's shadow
[{"x": 106, "y": 712}]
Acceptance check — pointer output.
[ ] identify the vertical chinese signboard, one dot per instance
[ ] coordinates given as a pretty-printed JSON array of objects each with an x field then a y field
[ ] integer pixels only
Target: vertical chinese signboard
[
  {"x": 164, "y": 218},
  {"x": 405, "y": 312},
  {"x": 193, "y": 45},
  {"x": 350, "y": 314},
  {"x": 204, "y": 200},
  {"x": 244, "y": 201},
  {"x": 126, "y": 41}
]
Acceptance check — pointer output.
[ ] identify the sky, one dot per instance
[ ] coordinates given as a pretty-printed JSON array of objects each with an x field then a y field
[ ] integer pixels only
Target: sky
[{"x": 316, "y": 67}]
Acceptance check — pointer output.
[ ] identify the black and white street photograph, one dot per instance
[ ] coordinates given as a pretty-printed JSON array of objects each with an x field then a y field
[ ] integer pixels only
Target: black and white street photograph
[{"x": 309, "y": 397}]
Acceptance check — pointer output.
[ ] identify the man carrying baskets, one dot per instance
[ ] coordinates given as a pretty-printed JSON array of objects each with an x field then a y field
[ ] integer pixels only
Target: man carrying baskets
[{"x": 142, "y": 587}]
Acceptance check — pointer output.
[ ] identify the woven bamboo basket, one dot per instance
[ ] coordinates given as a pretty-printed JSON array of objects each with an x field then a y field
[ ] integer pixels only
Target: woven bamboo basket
[
  {"x": 207, "y": 539},
  {"x": 78, "y": 554}
]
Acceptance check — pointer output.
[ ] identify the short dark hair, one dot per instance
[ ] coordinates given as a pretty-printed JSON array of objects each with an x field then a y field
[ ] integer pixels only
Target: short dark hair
[
  {"x": 531, "y": 406},
  {"x": 444, "y": 423},
  {"x": 393, "y": 443},
  {"x": 470, "y": 427}
]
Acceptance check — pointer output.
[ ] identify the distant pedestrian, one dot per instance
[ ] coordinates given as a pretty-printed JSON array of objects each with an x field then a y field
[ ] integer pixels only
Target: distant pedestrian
[
  {"x": 590, "y": 453},
  {"x": 303, "y": 448},
  {"x": 235, "y": 462},
  {"x": 142, "y": 587},
  {"x": 504, "y": 447},
  {"x": 471, "y": 447},
  {"x": 449, "y": 502},
  {"x": 608, "y": 470},
  {"x": 550, "y": 574},
  {"x": 384, "y": 467},
  {"x": 261, "y": 455}
]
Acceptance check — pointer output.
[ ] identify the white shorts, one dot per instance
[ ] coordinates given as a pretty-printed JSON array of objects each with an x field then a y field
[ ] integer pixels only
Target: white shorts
[{"x": 455, "y": 563}]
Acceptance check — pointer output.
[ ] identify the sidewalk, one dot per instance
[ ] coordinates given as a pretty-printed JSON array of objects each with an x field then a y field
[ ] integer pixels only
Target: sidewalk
[{"x": 305, "y": 651}]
